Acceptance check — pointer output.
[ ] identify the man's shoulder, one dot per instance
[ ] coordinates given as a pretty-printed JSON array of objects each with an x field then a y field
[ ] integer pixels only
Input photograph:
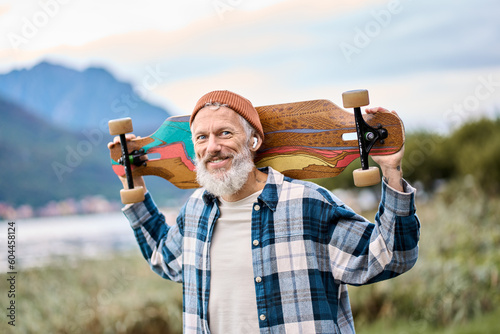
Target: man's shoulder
[
  {"x": 195, "y": 199},
  {"x": 197, "y": 194},
  {"x": 313, "y": 189},
  {"x": 307, "y": 189}
]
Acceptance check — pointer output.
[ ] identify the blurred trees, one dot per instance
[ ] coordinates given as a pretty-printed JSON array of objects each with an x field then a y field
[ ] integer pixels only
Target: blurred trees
[{"x": 472, "y": 150}]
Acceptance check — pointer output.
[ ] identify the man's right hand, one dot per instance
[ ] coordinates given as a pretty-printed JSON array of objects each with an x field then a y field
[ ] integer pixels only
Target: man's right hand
[{"x": 138, "y": 180}]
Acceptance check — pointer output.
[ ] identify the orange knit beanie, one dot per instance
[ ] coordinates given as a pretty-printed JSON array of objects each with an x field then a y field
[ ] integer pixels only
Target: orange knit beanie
[{"x": 233, "y": 101}]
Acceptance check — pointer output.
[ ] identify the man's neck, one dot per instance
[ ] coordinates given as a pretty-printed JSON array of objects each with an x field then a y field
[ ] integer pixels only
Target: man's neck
[{"x": 255, "y": 182}]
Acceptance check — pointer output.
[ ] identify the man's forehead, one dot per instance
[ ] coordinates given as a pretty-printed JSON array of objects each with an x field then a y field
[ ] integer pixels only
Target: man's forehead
[
  {"x": 215, "y": 112},
  {"x": 222, "y": 114}
]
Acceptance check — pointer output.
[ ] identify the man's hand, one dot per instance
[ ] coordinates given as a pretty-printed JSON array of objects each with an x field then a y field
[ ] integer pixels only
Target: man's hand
[
  {"x": 138, "y": 180},
  {"x": 390, "y": 164}
]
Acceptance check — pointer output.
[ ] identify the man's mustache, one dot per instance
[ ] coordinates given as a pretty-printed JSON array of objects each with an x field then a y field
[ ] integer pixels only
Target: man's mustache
[{"x": 209, "y": 157}]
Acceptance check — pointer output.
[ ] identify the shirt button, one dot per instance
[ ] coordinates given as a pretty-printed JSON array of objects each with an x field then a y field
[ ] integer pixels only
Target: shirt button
[
  {"x": 262, "y": 317},
  {"x": 255, "y": 242},
  {"x": 258, "y": 279},
  {"x": 257, "y": 207}
]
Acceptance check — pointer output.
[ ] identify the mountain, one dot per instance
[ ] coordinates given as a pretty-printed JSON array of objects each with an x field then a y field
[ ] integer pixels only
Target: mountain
[
  {"x": 79, "y": 100},
  {"x": 30, "y": 147},
  {"x": 46, "y": 157},
  {"x": 40, "y": 163}
]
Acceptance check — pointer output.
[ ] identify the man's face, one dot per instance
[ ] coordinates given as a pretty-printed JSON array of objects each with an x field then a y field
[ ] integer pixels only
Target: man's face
[{"x": 223, "y": 158}]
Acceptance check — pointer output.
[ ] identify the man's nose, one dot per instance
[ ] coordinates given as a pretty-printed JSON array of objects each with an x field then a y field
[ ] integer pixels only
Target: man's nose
[{"x": 213, "y": 145}]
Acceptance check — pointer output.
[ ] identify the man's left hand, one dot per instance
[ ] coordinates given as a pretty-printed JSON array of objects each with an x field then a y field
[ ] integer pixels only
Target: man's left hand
[{"x": 390, "y": 164}]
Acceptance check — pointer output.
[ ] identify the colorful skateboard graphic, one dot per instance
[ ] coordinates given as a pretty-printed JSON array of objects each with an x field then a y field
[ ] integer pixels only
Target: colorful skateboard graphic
[
  {"x": 303, "y": 140},
  {"x": 170, "y": 152}
]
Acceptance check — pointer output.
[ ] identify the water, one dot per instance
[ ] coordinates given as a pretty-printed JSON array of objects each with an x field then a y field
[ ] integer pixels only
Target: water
[{"x": 40, "y": 241}]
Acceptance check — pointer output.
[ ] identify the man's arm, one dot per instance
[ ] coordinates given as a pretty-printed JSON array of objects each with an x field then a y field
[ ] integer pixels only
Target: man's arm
[
  {"x": 160, "y": 244},
  {"x": 362, "y": 252}
]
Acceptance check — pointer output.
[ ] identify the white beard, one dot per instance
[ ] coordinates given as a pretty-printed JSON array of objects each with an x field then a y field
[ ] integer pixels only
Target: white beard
[{"x": 224, "y": 182}]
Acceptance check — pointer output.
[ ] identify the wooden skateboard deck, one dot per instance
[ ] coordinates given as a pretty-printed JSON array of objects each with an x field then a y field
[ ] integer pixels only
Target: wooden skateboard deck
[{"x": 303, "y": 140}]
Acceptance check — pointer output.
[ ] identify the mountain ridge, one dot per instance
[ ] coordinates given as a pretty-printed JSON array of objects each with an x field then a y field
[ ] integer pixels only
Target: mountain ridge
[
  {"x": 43, "y": 160},
  {"x": 77, "y": 100}
]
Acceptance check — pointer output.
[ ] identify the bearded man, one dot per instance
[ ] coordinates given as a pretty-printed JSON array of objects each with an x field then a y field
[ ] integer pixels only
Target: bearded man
[{"x": 258, "y": 252}]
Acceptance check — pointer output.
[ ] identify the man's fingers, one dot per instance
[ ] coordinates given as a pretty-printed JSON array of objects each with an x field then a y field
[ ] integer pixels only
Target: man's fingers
[
  {"x": 375, "y": 110},
  {"x": 116, "y": 140}
]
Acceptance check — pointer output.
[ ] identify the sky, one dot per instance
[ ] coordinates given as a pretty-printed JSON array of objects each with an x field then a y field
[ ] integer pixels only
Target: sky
[{"x": 437, "y": 63}]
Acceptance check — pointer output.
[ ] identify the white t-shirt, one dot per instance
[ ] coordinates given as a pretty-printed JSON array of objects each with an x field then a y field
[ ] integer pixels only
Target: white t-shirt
[{"x": 232, "y": 306}]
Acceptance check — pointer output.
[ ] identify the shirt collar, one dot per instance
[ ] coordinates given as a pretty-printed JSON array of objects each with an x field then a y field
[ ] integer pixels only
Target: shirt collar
[{"x": 270, "y": 194}]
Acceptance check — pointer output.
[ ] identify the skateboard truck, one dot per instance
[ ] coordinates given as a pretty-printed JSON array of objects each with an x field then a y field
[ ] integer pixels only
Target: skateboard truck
[
  {"x": 134, "y": 158},
  {"x": 367, "y": 137},
  {"x": 120, "y": 127}
]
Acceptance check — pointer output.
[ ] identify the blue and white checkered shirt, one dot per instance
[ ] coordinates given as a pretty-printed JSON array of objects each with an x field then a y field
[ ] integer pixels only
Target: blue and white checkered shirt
[{"x": 306, "y": 246}]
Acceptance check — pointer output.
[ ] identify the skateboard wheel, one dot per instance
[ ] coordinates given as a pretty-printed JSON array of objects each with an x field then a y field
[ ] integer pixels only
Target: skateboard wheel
[
  {"x": 130, "y": 196},
  {"x": 366, "y": 177},
  {"x": 355, "y": 98},
  {"x": 120, "y": 126}
]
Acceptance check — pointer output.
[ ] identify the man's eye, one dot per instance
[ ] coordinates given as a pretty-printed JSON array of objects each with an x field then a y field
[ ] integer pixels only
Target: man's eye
[
  {"x": 226, "y": 133},
  {"x": 202, "y": 137}
]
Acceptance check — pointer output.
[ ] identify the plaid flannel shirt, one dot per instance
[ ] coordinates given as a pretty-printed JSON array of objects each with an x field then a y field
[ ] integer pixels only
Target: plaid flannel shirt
[{"x": 307, "y": 245}]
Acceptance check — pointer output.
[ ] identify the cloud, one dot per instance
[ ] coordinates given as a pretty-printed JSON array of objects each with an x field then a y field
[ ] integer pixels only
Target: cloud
[
  {"x": 4, "y": 9},
  {"x": 435, "y": 101},
  {"x": 291, "y": 50}
]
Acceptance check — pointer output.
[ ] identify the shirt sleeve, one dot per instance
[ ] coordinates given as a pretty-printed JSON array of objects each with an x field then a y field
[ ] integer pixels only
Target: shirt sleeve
[
  {"x": 362, "y": 252},
  {"x": 160, "y": 243}
]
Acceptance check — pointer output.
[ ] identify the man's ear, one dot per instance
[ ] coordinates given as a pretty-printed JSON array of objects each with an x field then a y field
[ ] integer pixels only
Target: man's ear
[{"x": 256, "y": 142}]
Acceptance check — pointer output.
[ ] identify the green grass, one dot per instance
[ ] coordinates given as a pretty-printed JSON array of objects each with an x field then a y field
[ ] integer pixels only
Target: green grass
[
  {"x": 483, "y": 324},
  {"x": 117, "y": 295}
]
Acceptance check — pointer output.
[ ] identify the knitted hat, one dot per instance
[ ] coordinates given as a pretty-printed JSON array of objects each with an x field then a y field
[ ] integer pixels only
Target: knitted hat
[{"x": 233, "y": 101}]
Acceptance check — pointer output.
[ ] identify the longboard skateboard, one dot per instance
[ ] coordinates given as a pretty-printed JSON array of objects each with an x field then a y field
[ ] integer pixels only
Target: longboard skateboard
[{"x": 303, "y": 140}]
